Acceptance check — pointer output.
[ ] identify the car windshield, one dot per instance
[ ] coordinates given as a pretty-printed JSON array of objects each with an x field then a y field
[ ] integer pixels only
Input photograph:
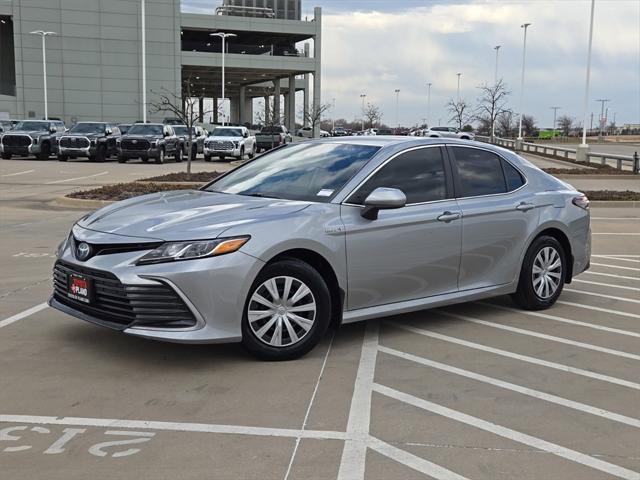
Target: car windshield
[
  {"x": 32, "y": 125},
  {"x": 309, "y": 172},
  {"x": 124, "y": 128},
  {"x": 88, "y": 128},
  {"x": 227, "y": 132},
  {"x": 181, "y": 130},
  {"x": 142, "y": 129}
]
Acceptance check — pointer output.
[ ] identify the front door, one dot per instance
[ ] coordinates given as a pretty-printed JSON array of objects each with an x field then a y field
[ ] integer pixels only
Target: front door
[{"x": 408, "y": 253}]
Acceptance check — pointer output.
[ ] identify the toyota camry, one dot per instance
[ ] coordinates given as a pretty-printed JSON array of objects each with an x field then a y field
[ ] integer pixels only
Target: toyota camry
[{"x": 324, "y": 232}]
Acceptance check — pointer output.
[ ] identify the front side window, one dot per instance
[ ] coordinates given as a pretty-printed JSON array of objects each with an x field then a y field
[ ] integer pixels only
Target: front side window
[
  {"x": 35, "y": 126},
  {"x": 308, "y": 171},
  {"x": 419, "y": 174},
  {"x": 181, "y": 130},
  {"x": 479, "y": 172}
]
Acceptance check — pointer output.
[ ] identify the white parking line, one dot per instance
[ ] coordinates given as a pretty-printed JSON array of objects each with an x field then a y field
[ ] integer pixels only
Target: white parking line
[
  {"x": 18, "y": 173},
  {"x": 615, "y": 218},
  {"x": 174, "y": 426},
  {"x": 621, "y": 234},
  {"x": 77, "y": 178},
  {"x": 505, "y": 432},
  {"x": 352, "y": 463},
  {"x": 602, "y": 295},
  {"x": 611, "y": 285},
  {"x": 622, "y": 277},
  {"x": 544, "y": 336},
  {"x": 599, "y": 412},
  {"x": 599, "y": 309},
  {"x": 21, "y": 315},
  {"x": 563, "y": 320},
  {"x": 615, "y": 266},
  {"x": 412, "y": 461},
  {"x": 522, "y": 358},
  {"x": 611, "y": 257}
]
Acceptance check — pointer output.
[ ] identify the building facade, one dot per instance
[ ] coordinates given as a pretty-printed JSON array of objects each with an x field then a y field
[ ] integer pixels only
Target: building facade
[{"x": 94, "y": 59}]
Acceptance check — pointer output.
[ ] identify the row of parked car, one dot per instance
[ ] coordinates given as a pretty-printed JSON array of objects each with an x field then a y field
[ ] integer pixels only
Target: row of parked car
[{"x": 100, "y": 141}]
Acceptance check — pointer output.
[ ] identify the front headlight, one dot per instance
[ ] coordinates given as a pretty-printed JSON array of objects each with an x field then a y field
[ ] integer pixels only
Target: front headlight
[
  {"x": 175, "y": 251},
  {"x": 62, "y": 247},
  {"x": 154, "y": 144},
  {"x": 236, "y": 144}
]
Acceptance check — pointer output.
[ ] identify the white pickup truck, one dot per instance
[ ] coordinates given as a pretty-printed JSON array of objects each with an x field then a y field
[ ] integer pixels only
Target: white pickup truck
[{"x": 226, "y": 142}]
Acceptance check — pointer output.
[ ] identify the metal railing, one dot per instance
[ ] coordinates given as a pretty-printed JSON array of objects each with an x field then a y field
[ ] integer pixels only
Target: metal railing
[{"x": 563, "y": 153}]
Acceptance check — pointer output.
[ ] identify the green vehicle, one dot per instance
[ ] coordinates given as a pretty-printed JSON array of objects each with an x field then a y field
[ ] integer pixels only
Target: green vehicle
[{"x": 548, "y": 134}]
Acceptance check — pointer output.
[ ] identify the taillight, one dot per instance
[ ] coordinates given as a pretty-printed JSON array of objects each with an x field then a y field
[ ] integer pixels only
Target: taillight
[{"x": 581, "y": 201}]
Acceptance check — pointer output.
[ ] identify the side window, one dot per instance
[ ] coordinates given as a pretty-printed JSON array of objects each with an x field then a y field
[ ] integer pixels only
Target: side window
[
  {"x": 513, "y": 177},
  {"x": 419, "y": 174},
  {"x": 479, "y": 172}
]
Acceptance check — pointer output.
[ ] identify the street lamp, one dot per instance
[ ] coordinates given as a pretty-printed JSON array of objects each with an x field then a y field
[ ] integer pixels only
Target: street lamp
[
  {"x": 459, "y": 75},
  {"x": 44, "y": 34},
  {"x": 583, "y": 146},
  {"x": 143, "y": 37},
  {"x": 524, "y": 53},
  {"x": 223, "y": 36},
  {"x": 362, "y": 97},
  {"x": 397, "y": 99},
  {"x": 497, "y": 49},
  {"x": 333, "y": 116},
  {"x": 428, "y": 103},
  {"x": 602, "y": 102},
  {"x": 555, "y": 111}
]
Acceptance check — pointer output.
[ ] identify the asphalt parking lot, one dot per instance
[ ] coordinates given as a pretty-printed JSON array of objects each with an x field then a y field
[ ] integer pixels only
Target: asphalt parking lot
[{"x": 475, "y": 391}]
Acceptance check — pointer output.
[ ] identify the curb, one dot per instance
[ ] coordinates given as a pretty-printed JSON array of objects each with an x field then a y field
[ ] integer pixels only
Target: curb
[
  {"x": 614, "y": 204},
  {"x": 80, "y": 203},
  {"x": 186, "y": 184},
  {"x": 595, "y": 176}
]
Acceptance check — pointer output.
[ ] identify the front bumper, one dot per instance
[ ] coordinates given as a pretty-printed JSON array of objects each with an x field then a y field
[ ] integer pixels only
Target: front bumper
[
  {"x": 149, "y": 153},
  {"x": 214, "y": 289},
  {"x": 77, "y": 152},
  {"x": 235, "y": 152}
]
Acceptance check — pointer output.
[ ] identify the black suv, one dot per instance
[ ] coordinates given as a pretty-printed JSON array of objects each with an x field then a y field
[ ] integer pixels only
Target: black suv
[
  {"x": 149, "y": 140},
  {"x": 93, "y": 140},
  {"x": 32, "y": 137}
]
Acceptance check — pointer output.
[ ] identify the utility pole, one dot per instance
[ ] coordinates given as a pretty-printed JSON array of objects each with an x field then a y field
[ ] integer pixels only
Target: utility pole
[
  {"x": 428, "y": 103},
  {"x": 524, "y": 56},
  {"x": 397, "y": 101},
  {"x": 602, "y": 118},
  {"x": 223, "y": 36},
  {"x": 44, "y": 34},
  {"x": 333, "y": 116},
  {"x": 458, "y": 97},
  {"x": 555, "y": 111},
  {"x": 362, "y": 97},
  {"x": 497, "y": 49}
]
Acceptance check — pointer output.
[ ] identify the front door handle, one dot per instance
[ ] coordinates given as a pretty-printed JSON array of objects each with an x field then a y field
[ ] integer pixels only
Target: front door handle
[
  {"x": 525, "y": 207},
  {"x": 449, "y": 216}
]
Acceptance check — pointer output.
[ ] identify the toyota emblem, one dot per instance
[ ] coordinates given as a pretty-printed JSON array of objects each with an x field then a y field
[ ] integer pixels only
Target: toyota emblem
[
  {"x": 83, "y": 251},
  {"x": 134, "y": 141}
]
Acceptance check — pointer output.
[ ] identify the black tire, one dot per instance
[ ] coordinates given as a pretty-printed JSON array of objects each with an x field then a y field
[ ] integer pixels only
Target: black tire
[
  {"x": 207, "y": 158},
  {"x": 62, "y": 158},
  {"x": 253, "y": 153},
  {"x": 178, "y": 155},
  {"x": 221, "y": 157},
  {"x": 160, "y": 157},
  {"x": 45, "y": 151},
  {"x": 526, "y": 296},
  {"x": 101, "y": 153},
  {"x": 6, "y": 156},
  {"x": 194, "y": 151},
  {"x": 122, "y": 159},
  {"x": 301, "y": 272}
]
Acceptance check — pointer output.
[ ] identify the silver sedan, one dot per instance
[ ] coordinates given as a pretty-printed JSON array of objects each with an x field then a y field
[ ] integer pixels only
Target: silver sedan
[{"x": 325, "y": 232}]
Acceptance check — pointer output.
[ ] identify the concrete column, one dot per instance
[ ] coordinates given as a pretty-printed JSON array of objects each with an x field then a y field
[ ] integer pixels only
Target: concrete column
[
  {"x": 291, "y": 112},
  {"x": 201, "y": 109},
  {"x": 241, "y": 104},
  {"x": 267, "y": 108},
  {"x": 248, "y": 110},
  {"x": 305, "y": 105},
  {"x": 317, "y": 74},
  {"x": 234, "y": 113},
  {"x": 285, "y": 97},
  {"x": 276, "y": 101},
  {"x": 215, "y": 110}
]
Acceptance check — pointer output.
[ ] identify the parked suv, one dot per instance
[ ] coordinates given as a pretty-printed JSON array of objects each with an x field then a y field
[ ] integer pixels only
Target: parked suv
[
  {"x": 93, "y": 140},
  {"x": 198, "y": 138},
  {"x": 448, "y": 132},
  {"x": 6, "y": 125},
  {"x": 149, "y": 140},
  {"x": 272, "y": 136},
  {"x": 229, "y": 142},
  {"x": 32, "y": 137}
]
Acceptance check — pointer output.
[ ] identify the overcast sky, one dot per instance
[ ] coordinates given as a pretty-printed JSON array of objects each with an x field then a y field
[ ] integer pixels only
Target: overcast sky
[{"x": 377, "y": 46}]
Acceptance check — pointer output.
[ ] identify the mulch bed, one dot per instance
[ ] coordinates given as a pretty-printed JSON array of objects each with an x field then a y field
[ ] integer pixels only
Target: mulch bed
[
  {"x": 203, "y": 177},
  {"x": 122, "y": 191},
  {"x": 597, "y": 170},
  {"x": 612, "y": 195}
]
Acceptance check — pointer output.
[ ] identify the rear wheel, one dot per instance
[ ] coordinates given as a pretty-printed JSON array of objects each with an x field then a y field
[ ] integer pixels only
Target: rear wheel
[
  {"x": 101, "y": 153},
  {"x": 62, "y": 158},
  {"x": 207, "y": 158},
  {"x": 45, "y": 151},
  {"x": 287, "y": 311},
  {"x": 253, "y": 152},
  {"x": 542, "y": 275}
]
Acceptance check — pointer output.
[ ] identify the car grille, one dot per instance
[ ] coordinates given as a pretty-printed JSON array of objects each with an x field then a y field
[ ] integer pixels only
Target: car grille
[
  {"x": 220, "y": 145},
  {"x": 123, "y": 306},
  {"x": 135, "y": 145},
  {"x": 74, "y": 142},
  {"x": 16, "y": 140}
]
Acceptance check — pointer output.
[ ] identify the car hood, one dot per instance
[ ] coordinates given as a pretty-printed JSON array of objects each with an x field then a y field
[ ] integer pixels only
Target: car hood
[
  {"x": 82, "y": 135},
  {"x": 185, "y": 214},
  {"x": 31, "y": 133},
  {"x": 143, "y": 137}
]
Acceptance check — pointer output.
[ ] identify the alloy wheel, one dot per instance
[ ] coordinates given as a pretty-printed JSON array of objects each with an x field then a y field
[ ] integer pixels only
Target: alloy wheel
[
  {"x": 546, "y": 272},
  {"x": 281, "y": 311}
]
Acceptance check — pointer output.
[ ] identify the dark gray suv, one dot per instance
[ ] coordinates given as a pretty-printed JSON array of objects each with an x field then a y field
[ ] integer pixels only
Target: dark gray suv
[
  {"x": 149, "y": 140},
  {"x": 32, "y": 137},
  {"x": 93, "y": 140}
]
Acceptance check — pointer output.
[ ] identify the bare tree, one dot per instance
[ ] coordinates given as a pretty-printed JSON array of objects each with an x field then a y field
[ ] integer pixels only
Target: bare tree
[
  {"x": 372, "y": 114},
  {"x": 492, "y": 103},
  {"x": 506, "y": 124},
  {"x": 459, "y": 111},
  {"x": 529, "y": 128},
  {"x": 313, "y": 116},
  {"x": 565, "y": 124},
  {"x": 185, "y": 108}
]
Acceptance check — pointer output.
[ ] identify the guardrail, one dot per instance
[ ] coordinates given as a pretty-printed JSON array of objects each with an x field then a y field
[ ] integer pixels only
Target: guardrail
[{"x": 568, "y": 153}]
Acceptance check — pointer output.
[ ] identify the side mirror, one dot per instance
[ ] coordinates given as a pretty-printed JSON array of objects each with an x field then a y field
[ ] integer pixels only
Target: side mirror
[
  {"x": 245, "y": 134},
  {"x": 108, "y": 131},
  {"x": 382, "y": 199},
  {"x": 53, "y": 129}
]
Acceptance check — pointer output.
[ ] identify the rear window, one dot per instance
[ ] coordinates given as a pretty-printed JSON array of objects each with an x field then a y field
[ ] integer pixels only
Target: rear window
[
  {"x": 479, "y": 172},
  {"x": 271, "y": 130},
  {"x": 513, "y": 177}
]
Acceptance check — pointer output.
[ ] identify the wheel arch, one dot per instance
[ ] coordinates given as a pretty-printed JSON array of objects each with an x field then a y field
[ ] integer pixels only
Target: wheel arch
[{"x": 563, "y": 239}]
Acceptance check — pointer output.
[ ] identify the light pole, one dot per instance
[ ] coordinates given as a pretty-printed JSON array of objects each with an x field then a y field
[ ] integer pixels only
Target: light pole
[
  {"x": 524, "y": 55},
  {"x": 143, "y": 37},
  {"x": 333, "y": 116},
  {"x": 44, "y": 34},
  {"x": 602, "y": 102},
  {"x": 362, "y": 97},
  {"x": 223, "y": 36},
  {"x": 459, "y": 75},
  {"x": 583, "y": 146},
  {"x": 497, "y": 49},
  {"x": 428, "y": 103},
  {"x": 397, "y": 101},
  {"x": 555, "y": 111}
]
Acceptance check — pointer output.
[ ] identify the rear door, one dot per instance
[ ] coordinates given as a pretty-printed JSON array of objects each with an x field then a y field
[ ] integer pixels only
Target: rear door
[{"x": 499, "y": 213}]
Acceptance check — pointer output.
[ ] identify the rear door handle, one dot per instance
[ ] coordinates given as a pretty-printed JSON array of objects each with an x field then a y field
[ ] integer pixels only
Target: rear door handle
[
  {"x": 449, "y": 216},
  {"x": 525, "y": 207}
]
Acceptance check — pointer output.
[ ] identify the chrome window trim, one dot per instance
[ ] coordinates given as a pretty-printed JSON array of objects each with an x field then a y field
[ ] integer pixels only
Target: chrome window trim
[{"x": 418, "y": 147}]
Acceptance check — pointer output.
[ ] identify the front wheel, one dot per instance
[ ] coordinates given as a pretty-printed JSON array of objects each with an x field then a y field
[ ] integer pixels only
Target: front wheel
[
  {"x": 62, "y": 158},
  {"x": 207, "y": 158},
  {"x": 287, "y": 311},
  {"x": 101, "y": 153},
  {"x": 160, "y": 157},
  {"x": 178, "y": 155},
  {"x": 542, "y": 275},
  {"x": 122, "y": 159},
  {"x": 6, "y": 156},
  {"x": 253, "y": 152},
  {"x": 45, "y": 152}
]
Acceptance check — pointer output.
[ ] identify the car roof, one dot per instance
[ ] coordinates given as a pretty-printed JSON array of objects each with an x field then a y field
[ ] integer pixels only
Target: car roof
[{"x": 402, "y": 141}]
